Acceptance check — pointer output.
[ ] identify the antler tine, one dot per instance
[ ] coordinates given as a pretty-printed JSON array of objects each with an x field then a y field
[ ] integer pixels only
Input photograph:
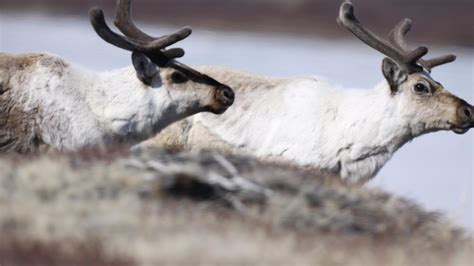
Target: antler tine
[
  {"x": 100, "y": 26},
  {"x": 437, "y": 61},
  {"x": 173, "y": 38},
  {"x": 397, "y": 37},
  {"x": 123, "y": 21},
  {"x": 408, "y": 60}
]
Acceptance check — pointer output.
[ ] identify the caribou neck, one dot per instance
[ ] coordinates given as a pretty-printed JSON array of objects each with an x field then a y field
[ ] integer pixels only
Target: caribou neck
[
  {"x": 126, "y": 108},
  {"x": 374, "y": 119},
  {"x": 373, "y": 127}
]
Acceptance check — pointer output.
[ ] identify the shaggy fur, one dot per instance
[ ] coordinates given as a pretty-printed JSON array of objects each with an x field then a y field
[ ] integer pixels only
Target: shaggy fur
[
  {"x": 46, "y": 101},
  {"x": 309, "y": 123},
  {"x": 161, "y": 208}
]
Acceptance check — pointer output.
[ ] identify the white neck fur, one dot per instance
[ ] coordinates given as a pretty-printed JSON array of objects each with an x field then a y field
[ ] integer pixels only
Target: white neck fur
[
  {"x": 352, "y": 133},
  {"x": 80, "y": 108}
]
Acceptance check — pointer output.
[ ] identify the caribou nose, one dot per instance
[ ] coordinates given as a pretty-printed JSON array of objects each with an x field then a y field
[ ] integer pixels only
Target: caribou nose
[
  {"x": 226, "y": 95},
  {"x": 467, "y": 113}
]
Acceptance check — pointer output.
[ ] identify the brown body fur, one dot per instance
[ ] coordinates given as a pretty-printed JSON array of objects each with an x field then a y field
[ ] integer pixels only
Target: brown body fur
[{"x": 17, "y": 126}]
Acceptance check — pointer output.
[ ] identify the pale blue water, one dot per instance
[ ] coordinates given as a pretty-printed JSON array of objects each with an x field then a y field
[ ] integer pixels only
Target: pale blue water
[{"x": 436, "y": 170}]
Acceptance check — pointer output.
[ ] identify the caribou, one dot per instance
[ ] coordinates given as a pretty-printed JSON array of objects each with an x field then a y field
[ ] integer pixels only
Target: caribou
[
  {"x": 48, "y": 102},
  {"x": 310, "y": 123}
]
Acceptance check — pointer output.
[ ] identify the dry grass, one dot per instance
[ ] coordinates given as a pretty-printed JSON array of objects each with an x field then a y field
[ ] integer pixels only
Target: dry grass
[{"x": 160, "y": 208}]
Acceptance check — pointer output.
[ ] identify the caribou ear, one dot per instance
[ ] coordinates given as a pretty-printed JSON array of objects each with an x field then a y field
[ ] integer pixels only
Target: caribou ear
[
  {"x": 393, "y": 74},
  {"x": 145, "y": 68}
]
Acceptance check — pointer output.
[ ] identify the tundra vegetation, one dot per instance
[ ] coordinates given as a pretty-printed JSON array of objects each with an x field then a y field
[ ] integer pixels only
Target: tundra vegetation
[
  {"x": 308, "y": 122},
  {"x": 154, "y": 207}
]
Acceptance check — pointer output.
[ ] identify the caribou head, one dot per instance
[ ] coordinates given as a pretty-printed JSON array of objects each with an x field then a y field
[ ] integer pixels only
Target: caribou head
[
  {"x": 426, "y": 103},
  {"x": 156, "y": 66}
]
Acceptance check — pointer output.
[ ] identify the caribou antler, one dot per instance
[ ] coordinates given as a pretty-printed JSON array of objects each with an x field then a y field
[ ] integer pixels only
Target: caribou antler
[
  {"x": 397, "y": 37},
  {"x": 396, "y": 48},
  {"x": 123, "y": 21},
  {"x": 135, "y": 40}
]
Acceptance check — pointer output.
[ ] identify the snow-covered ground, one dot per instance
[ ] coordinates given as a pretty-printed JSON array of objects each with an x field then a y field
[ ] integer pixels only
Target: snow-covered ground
[{"x": 436, "y": 170}]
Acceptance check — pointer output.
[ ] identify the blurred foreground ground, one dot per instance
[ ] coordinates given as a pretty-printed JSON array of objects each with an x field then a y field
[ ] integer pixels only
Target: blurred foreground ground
[
  {"x": 435, "y": 21},
  {"x": 159, "y": 208}
]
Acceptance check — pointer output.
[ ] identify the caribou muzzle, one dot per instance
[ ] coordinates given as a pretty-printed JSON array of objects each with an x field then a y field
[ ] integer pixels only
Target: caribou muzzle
[
  {"x": 224, "y": 97},
  {"x": 465, "y": 115}
]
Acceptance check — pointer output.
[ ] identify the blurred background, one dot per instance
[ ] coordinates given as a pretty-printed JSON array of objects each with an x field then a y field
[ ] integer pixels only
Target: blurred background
[
  {"x": 437, "y": 21},
  {"x": 288, "y": 38}
]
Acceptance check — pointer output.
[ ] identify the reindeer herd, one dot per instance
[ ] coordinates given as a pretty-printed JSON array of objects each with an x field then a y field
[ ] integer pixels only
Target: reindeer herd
[{"x": 46, "y": 102}]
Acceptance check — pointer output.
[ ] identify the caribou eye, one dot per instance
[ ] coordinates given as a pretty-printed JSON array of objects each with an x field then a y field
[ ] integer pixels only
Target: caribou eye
[
  {"x": 421, "y": 88},
  {"x": 178, "y": 77}
]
